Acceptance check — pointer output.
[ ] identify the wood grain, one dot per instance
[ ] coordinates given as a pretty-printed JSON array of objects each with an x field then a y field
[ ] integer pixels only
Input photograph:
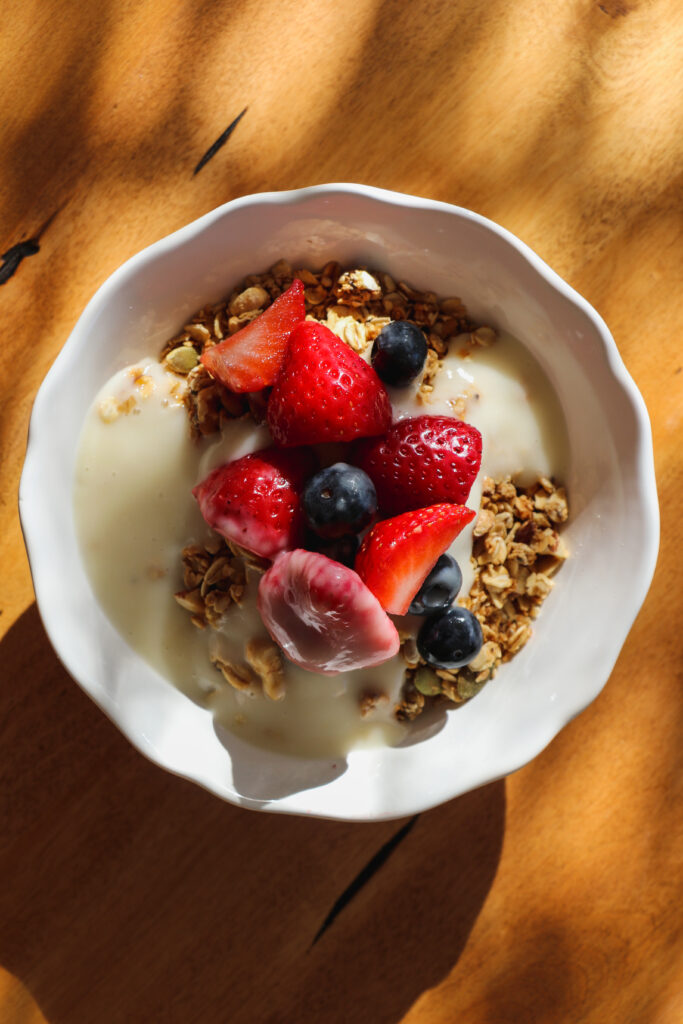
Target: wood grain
[{"x": 128, "y": 895}]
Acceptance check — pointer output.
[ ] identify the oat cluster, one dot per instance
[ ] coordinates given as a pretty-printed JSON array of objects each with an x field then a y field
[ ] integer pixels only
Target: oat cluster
[
  {"x": 263, "y": 667},
  {"x": 515, "y": 554},
  {"x": 214, "y": 579},
  {"x": 354, "y": 303}
]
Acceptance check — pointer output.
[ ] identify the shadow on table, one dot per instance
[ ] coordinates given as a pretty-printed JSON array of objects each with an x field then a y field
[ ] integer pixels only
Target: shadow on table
[
  {"x": 285, "y": 777},
  {"x": 130, "y": 895}
]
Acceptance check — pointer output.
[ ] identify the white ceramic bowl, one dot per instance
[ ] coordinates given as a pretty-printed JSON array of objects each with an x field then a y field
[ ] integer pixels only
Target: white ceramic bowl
[{"x": 613, "y": 533}]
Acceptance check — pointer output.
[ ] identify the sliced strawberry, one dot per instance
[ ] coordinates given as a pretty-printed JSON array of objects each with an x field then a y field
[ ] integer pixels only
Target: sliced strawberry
[
  {"x": 325, "y": 392},
  {"x": 398, "y": 554},
  {"x": 421, "y": 460},
  {"x": 250, "y": 360},
  {"x": 254, "y": 501},
  {"x": 323, "y": 616}
]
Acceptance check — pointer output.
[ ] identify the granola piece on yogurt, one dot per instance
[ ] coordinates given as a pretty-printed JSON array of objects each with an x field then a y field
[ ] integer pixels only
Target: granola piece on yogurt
[{"x": 265, "y": 658}]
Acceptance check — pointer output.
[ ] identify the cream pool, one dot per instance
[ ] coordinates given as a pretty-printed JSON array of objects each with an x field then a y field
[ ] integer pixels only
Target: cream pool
[{"x": 136, "y": 467}]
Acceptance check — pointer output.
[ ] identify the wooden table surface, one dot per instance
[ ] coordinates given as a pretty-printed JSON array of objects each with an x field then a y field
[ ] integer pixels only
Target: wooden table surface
[{"x": 127, "y": 895}]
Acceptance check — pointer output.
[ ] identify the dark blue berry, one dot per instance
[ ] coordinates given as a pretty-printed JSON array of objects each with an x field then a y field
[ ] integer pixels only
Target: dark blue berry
[
  {"x": 339, "y": 499},
  {"x": 450, "y": 639},
  {"x": 399, "y": 353},
  {"x": 339, "y": 549},
  {"x": 440, "y": 589}
]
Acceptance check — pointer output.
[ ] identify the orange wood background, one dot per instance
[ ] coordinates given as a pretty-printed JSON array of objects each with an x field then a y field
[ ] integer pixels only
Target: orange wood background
[{"x": 127, "y": 895}]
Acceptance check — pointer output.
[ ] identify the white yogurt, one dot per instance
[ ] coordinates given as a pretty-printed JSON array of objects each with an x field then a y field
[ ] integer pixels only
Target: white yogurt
[{"x": 135, "y": 512}]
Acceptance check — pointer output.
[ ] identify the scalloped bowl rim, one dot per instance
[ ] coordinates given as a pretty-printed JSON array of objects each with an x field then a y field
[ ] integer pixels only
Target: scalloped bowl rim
[{"x": 545, "y": 729}]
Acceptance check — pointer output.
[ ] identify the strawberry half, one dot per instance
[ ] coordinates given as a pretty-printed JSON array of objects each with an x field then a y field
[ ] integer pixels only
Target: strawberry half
[
  {"x": 254, "y": 501},
  {"x": 323, "y": 616},
  {"x": 421, "y": 460},
  {"x": 251, "y": 359},
  {"x": 325, "y": 392},
  {"x": 398, "y": 554}
]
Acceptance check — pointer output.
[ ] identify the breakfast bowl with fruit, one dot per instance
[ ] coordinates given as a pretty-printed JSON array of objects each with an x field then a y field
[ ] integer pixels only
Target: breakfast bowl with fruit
[{"x": 351, "y": 502}]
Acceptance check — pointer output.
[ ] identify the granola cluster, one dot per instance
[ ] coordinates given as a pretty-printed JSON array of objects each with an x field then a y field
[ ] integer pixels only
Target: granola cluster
[
  {"x": 263, "y": 666},
  {"x": 516, "y": 552},
  {"x": 214, "y": 579},
  {"x": 355, "y": 304}
]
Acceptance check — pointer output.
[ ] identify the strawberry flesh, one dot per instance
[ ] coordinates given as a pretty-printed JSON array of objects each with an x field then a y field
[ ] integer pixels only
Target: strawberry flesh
[
  {"x": 323, "y": 616},
  {"x": 421, "y": 460},
  {"x": 325, "y": 392},
  {"x": 254, "y": 501},
  {"x": 398, "y": 554},
  {"x": 250, "y": 360}
]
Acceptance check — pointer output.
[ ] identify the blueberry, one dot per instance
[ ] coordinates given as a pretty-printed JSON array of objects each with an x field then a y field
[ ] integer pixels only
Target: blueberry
[
  {"x": 450, "y": 639},
  {"x": 399, "y": 353},
  {"x": 339, "y": 499},
  {"x": 339, "y": 549},
  {"x": 440, "y": 588}
]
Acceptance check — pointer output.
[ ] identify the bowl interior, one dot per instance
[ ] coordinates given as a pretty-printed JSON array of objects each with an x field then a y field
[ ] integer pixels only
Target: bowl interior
[{"x": 612, "y": 533}]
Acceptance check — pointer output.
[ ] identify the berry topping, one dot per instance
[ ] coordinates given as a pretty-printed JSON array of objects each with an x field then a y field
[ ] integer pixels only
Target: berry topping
[
  {"x": 254, "y": 501},
  {"x": 399, "y": 353},
  {"x": 421, "y": 460},
  {"x": 339, "y": 499},
  {"x": 397, "y": 554},
  {"x": 325, "y": 392},
  {"x": 251, "y": 359},
  {"x": 451, "y": 639},
  {"x": 323, "y": 616},
  {"x": 440, "y": 588}
]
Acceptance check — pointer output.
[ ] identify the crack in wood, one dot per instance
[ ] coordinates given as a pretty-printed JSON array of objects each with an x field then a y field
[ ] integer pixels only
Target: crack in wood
[
  {"x": 16, "y": 253},
  {"x": 615, "y": 8},
  {"x": 220, "y": 141},
  {"x": 13, "y": 257},
  {"x": 364, "y": 876}
]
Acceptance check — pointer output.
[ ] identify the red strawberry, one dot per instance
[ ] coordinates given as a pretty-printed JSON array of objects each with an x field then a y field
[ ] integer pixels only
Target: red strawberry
[
  {"x": 398, "y": 554},
  {"x": 325, "y": 392},
  {"x": 422, "y": 460},
  {"x": 322, "y": 616},
  {"x": 254, "y": 501},
  {"x": 250, "y": 360}
]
